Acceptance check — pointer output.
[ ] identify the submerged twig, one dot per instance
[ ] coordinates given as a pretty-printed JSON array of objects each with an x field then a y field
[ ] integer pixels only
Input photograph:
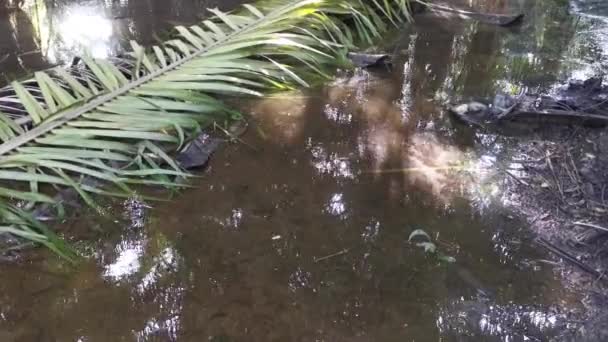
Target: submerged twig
[
  {"x": 567, "y": 256},
  {"x": 590, "y": 225},
  {"x": 342, "y": 252},
  {"x": 555, "y": 177},
  {"x": 236, "y": 136}
]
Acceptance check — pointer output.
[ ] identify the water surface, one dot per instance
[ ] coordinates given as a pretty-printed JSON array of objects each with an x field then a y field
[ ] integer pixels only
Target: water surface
[{"x": 302, "y": 234}]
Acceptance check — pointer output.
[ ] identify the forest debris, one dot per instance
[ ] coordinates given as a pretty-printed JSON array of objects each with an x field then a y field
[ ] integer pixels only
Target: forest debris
[
  {"x": 507, "y": 111},
  {"x": 562, "y": 116},
  {"x": 582, "y": 103},
  {"x": 518, "y": 179},
  {"x": 590, "y": 225},
  {"x": 567, "y": 256}
]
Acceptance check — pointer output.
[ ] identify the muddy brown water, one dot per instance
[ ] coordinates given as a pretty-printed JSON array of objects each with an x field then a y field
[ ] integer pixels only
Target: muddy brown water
[{"x": 302, "y": 234}]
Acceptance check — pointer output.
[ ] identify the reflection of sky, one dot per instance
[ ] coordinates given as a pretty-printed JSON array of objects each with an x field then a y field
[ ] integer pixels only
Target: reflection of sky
[
  {"x": 232, "y": 221},
  {"x": 510, "y": 322},
  {"x": 330, "y": 163},
  {"x": 128, "y": 261},
  {"x": 505, "y": 246},
  {"x": 72, "y": 29},
  {"x": 79, "y": 28},
  {"x": 131, "y": 250},
  {"x": 336, "y": 205},
  {"x": 154, "y": 327},
  {"x": 339, "y": 116},
  {"x": 146, "y": 260},
  {"x": 166, "y": 260}
]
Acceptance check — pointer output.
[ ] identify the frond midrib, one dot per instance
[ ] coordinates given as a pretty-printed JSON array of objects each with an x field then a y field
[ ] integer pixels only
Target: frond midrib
[{"x": 100, "y": 100}]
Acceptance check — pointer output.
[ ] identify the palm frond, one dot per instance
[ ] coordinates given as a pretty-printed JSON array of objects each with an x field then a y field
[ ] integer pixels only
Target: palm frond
[{"x": 119, "y": 121}]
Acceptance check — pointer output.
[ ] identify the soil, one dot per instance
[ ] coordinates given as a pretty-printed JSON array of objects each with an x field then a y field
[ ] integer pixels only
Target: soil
[{"x": 562, "y": 190}]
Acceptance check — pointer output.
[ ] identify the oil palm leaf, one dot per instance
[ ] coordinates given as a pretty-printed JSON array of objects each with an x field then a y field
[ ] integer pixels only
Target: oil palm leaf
[{"x": 117, "y": 122}]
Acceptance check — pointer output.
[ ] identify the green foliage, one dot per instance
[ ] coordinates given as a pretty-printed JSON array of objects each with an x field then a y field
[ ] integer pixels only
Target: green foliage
[
  {"x": 117, "y": 122},
  {"x": 422, "y": 239}
]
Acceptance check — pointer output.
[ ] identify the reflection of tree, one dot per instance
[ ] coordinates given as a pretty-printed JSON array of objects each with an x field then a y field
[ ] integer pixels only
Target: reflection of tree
[
  {"x": 536, "y": 61},
  {"x": 19, "y": 44},
  {"x": 45, "y": 32},
  {"x": 488, "y": 59}
]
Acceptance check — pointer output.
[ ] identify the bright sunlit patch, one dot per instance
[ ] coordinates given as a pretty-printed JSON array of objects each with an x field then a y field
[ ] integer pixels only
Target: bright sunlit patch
[
  {"x": 329, "y": 163},
  {"x": 87, "y": 29},
  {"x": 127, "y": 263},
  {"x": 437, "y": 166},
  {"x": 82, "y": 29},
  {"x": 336, "y": 205},
  {"x": 509, "y": 322},
  {"x": 282, "y": 117}
]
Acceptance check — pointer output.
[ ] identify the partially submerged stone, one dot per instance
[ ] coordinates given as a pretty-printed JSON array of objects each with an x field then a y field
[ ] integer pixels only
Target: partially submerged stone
[
  {"x": 475, "y": 113},
  {"x": 366, "y": 60}
]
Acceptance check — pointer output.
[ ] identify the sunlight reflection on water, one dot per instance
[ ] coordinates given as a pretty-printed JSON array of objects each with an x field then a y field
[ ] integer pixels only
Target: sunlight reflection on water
[
  {"x": 83, "y": 27},
  {"x": 508, "y": 322}
]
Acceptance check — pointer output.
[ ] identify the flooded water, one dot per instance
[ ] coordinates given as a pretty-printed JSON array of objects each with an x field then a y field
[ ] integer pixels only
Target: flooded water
[{"x": 302, "y": 233}]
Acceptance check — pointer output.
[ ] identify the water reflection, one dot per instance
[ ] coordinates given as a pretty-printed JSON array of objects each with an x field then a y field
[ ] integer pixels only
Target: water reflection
[
  {"x": 282, "y": 117},
  {"x": 130, "y": 250},
  {"x": 336, "y": 205},
  {"x": 41, "y": 33},
  {"x": 337, "y": 115},
  {"x": 127, "y": 263},
  {"x": 508, "y": 322},
  {"x": 82, "y": 30},
  {"x": 19, "y": 46},
  {"x": 330, "y": 163}
]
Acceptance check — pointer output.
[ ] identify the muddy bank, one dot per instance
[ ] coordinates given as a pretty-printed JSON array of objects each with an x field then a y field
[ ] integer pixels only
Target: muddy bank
[
  {"x": 562, "y": 186},
  {"x": 557, "y": 169},
  {"x": 559, "y": 184}
]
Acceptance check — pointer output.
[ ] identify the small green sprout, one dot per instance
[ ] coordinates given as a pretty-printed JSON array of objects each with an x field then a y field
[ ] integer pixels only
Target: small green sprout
[{"x": 423, "y": 240}]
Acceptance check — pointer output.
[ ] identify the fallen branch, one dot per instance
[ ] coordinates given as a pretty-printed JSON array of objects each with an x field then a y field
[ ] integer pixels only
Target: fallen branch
[
  {"x": 594, "y": 120},
  {"x": 567, "y": 256},
  {"x": 342, "y": 252},
  {"x": 506, "y": 113}
]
